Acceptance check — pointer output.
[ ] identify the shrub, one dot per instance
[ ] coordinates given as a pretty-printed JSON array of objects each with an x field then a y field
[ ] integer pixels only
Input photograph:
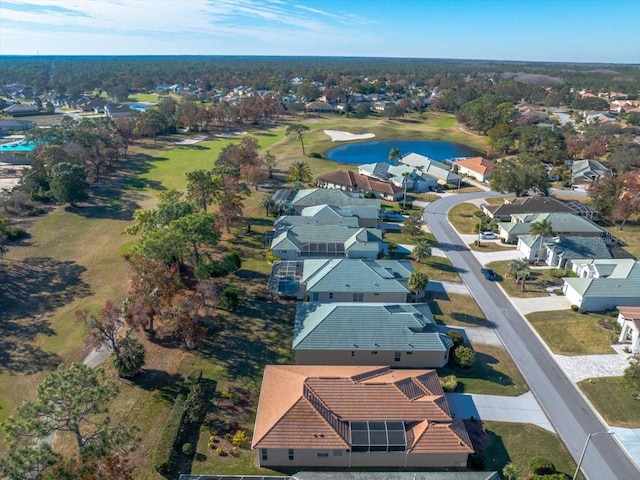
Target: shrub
[
  {"x": 464, "y": 356},
  {"x": 449, "y": 383},
  {"x": 211, "y": 442},
  {"x": 476, "y": 462},
  {"x": 195, "y": 404},
  {"x": 574, "y": 308},
  {"x": 188, "y": 449},
  {"x": 369, "y": 195},
  {"x": 229, "y": 299},
  {"x": 540, "y": 466},
  {"x": 239, "y": 439},
  {"x": 272, "y": 258},
  {"x": 456, "y": 337},
  {"x": 219, "y": 451},
  {"x": 314, "y": 155},
  {"x": 553, "y": 476},
  {"x": 163, "y": 454},
  {"x": 130, "y": 358}
]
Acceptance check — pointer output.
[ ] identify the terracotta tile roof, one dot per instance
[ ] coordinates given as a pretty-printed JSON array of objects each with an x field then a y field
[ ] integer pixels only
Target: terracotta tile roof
[
  {"x": 477, "y": 164},
  {"x": 307, "y": 406},
  {"x": 630, "y": 313},
  {"x": 340, "y": 177},
  {"x": 426, "y": 437},
  {"x": 356, "y": 180}
]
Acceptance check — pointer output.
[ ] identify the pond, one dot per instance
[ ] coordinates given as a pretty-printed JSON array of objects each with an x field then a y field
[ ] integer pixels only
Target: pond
[{"x": 378, "y": 151}]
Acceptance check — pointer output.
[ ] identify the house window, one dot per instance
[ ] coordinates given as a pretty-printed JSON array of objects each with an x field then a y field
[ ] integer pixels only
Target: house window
[
  {"x": 330, "y": 295},
  {"x": 291, "y": 454},
  {"x": 397, "y": 356},
  {"x": 263, "y": 454},
  {"x": 314, "y": 297},
  {"x": 358, "y": 297},
  {"x": 409, "y": 353},
  {"x": 353, "y": 354},
  {"x": 323, "y": 454}
]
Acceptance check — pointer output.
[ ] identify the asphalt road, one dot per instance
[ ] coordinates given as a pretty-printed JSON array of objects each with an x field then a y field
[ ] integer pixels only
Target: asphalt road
[{"x": 569, "y": 413}]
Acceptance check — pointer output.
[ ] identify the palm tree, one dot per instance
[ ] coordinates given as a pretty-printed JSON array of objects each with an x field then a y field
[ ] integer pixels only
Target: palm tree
[
  {"x": 405, "y": 176},
  {"x": 268, "y": 204},
  {"x": 542, "y": 228},
  {"x": 511, "y": 471},
  {"x": 422, "y": 249},
  {"x": 418, "y": 283},
  {"x": 517, "y": 265},
  {"x": 394, "y": 156},
  {"x": 300, "y": 172}
]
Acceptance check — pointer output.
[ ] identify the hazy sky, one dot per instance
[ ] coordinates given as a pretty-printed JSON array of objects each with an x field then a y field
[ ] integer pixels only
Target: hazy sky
[{"x": 555, "y": 30}]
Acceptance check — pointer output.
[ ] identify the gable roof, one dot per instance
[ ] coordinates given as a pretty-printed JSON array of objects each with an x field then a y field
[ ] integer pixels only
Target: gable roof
[
  {"x": 561, "y": 223},
  {"x": 354, "y": 275},
  {"x": 311, "y": 406},
  {"x": 615, "y": 278},
  {"x": 477, "y": 164},
  {"x": 529, "y": 205},
  {"x": 298, "y": 236},
  {"x": 573, "y": 247},
  {"x": 357, "y": 180},
  {"x": 367, "y": 326},
  {"x": 588, "y": 170},
  {"x": 430, "y": 167},
  {"x": 325, "y": 196}
]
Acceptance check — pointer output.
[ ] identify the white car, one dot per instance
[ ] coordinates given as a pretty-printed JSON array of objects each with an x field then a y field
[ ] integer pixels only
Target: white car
[{"x": 488, "y": 236}]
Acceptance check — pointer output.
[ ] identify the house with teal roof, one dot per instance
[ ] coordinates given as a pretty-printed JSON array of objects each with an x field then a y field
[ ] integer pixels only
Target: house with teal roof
[
  {"x": 328, "y": 215},
  {"x": 562, "y": 224},
  {"x": 395, "y": 334},
  {"x": 310, "y": 197},
  {"x": 351, "y": 280},
  {"x": 438, "y": 170},
  {"x": 604, "y": 284},
  {"x": 400, "y": 175}
]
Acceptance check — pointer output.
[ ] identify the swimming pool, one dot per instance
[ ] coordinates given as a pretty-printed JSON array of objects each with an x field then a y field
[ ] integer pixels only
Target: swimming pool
[
  {"x": 17, "y": 147},
  {"x": 139, "y": 106}
]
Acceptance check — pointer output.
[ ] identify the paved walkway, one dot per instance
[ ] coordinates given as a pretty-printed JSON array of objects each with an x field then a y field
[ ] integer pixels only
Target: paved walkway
[
  {"x": 580, "y": 367},
  {"x": 522, "y": 409},
  {"x": 459, "y": 288},
  {"x": 484, "y": 335},
  {"x": 540, "y": 304}
]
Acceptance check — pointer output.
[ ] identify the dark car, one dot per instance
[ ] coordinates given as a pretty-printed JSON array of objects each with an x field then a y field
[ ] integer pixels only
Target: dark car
[{"x": 488, "y": 274}]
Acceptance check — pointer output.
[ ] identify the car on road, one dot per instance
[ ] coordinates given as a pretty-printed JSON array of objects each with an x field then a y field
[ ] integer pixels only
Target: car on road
[
  {"x": 488, "y": 273},
  {"x": 488, "y": 236}
]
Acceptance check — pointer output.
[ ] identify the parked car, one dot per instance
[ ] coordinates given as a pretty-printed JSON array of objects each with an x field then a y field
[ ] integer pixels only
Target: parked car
[
  {"x": 391, "y": 216},
  {"x": 488, "y": 274},
  {"x": 488, "y": 236}
]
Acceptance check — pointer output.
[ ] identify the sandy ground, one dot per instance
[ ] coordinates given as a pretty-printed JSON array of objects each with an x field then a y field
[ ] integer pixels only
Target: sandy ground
[
  {"x": 192, "y": 141},
  {"x": 339, "y": 136}
]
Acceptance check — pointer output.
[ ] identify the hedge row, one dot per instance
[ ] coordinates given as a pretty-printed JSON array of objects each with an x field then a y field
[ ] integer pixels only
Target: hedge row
[{"x": 163, "y": 454}]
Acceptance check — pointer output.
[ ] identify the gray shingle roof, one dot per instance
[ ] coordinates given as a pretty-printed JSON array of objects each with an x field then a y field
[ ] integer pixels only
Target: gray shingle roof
[
  {"x": 324, "y": 196},
  {"x": 367, "y": 326},
  {"x": 430, "y": 167},
  {"x": 578, "y": 247},
  {"x": 560, "y": 223},
  {"x": 618, "y": 278}
]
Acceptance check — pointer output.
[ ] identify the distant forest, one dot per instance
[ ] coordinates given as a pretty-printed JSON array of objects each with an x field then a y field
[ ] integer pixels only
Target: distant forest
[{"x": 73, "y": 75}]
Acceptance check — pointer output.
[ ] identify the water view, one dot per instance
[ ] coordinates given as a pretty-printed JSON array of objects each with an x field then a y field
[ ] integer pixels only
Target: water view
[{"x": 378, "y": 151}]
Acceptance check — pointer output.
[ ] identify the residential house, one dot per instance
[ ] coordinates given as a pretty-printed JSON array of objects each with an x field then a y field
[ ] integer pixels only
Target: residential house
[
  {"x": 310, "y": 197},
  {"x": 117, "y": 111},
  {"x": 354, "y": 280},
  {"x": 402, "y": 176},
  {"x": 95, "y": 105},
  {"x": 586, "y": 171},
  {"x": 517, "y": 205},
  {"x": 306, "y": 241},
  {"x": 356, "y": 182},
  {"x": 476, "y": 167},
  {"x": 438, "y": 170},
  {"x": 629, "y": 321},
  {"x": 561, "y": 251},
  {"x": 7, "y": 125},
  {"x": 562, "y": 224},
  {"x": 21, "y": 110},
  {"x": 599, "y": 117},
  {"x": 604, "y": 284},
  {"x": 357, "y": 216},
  {"x": 403, "y": 335},
  {"x": 354, "y": 475},
  {"x": 356, "y": 416},
  {"x": 318, "y": 106}
]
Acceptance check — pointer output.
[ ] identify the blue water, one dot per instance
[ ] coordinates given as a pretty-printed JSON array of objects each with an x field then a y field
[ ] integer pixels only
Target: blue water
[
  {"x": 18, "y": 147},
  {"x": 378, "y": 151},
  {"x": 139, "y": 106}
]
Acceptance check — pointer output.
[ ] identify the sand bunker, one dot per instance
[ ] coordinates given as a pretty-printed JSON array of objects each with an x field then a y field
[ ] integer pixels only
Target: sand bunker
[
  {"x": 193, "y": 141},
  {"x": 338, "y": 136}
]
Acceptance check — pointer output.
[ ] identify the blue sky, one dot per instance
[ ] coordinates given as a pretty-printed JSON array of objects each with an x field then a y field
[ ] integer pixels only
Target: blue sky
[{"x": 535, "y": 30}]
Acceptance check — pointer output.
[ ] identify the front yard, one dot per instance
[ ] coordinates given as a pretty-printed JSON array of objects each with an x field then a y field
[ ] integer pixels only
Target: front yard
[
  {"x": 463, "y": 217},
  {"x": 535, "y": 286},
  {"x": 624, "y": 411},
  {"x": 571, "y": 333}
]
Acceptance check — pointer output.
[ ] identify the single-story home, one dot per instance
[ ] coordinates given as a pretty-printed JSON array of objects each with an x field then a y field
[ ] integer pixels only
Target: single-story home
[
  {"x": 311, "y": 197},
  {"x": 476, "y": 167},
  {"x": 356, "y": 416},
  {"x": 400, "y": 175},
  {"x": 354, "y": 475},
  {"x": 318, "y": 106},
  {"x": 356, "y": 182},
  {"x": 629, "y": 321},
  {"x": 560, "y": 251},
  {"x": 562, "y": 224},
  {"x": 403, "y": 335},
  {"x": 7, "y": 124},
  {"x": 305, "y": 241},
  {"x": 438, "y": 170},
  {"x": 116, "y": 111},
  {"x": 354, "y": 280},
  {"x": 21, "y": 109},
  {"x": 517, "y": 205},
  {"x": 586, "y": 171},
  {"x": 604, "y": 284}
]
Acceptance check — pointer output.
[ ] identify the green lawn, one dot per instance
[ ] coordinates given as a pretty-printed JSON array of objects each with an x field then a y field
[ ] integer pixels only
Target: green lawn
[
  {"x": 439, "y": 269},
  {"x": 493, "y": 374},
  {"x": 463, "y": 218},
  {"x": 629, "y": 237},
  {"x": 517, "y": 443},
  {"x": 624, "y": 412},
  {"x": 535, "y": 286},
  {"x": 495, "y": 200},
  {"x": 445, "y": 122},
  {"x": 490, "y": 246},
  {"x": 571, "y": 333},
  {"x": 455, "y": 309}
]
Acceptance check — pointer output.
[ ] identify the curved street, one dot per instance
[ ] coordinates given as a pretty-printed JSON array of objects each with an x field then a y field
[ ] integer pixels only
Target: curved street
[{"x": 569, "y": 412}]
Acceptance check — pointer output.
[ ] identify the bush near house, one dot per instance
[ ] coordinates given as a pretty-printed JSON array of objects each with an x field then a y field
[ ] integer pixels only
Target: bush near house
[
  {"x": 163, "y": 455},
  {"x": 464, "y": 357}
]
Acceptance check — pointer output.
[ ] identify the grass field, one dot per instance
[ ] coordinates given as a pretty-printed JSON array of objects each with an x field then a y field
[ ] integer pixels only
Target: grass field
[
  {"x": 463, "y": 218},
  {"x": 517, "y": 443},
  {"x": 571, "y": 333},
  {"x": 629, "y": 236},
  {"x": 487, "y": 246},
  {"x": 438, "y": 269},
  {"x": 456, "y": 309},
  {"x": 624, "y": 412}
]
